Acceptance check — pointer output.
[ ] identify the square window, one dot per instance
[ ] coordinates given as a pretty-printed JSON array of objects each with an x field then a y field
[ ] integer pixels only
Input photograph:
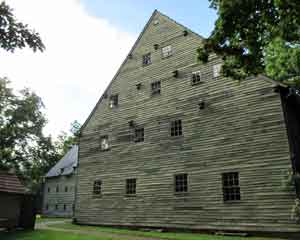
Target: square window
[
  {"x": 217, "y": 70},
  {"x": 139, "y": 135},
  {"x": 113, "y": 101},
  {"x": 196, "y": 78},
  {"x": 181, "y": 183},
  {"x": 147, "y": 59},
  {"x": 176, "y": 128},
  {"x": 97, "y": 189},
  {"x": 131, "y": 186},
  {"x": 166, "y": 51},
  {"x": 104, "y": 144},
  {"x": 155, "y": 88},
  {"x": 231, "y": 187}
]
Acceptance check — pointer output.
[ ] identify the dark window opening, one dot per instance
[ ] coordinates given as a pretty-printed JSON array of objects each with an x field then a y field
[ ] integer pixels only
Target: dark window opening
[
  {"x": 155, "y": 88},
  {"x": 57, "y": 188},
  {"x": 49, "y": 190},
  {"x": 139, "y": 135},
  {"x": 113, "y": 101},
  {"x": 181, "y": 183},
  {"x": 138, "y": 86},
  {"x": 196, "y": 78},
  {"x": 66, "y": 188},
  {"x": 56, "y": 206},
  {"x": 97, "y": 187},
  {"x": 131, "y": 186},
  {"x": 147, "y": 59},
  {"x": 176, "y": 128},
  {"x": 231, "y": 186}
]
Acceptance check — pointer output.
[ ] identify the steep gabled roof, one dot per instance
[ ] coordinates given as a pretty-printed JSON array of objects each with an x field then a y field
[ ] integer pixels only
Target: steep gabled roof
[
  {"x": 66, "y": 165},
  {"x": 156, "y": 12},
  {"x": 10, "y": 183}
]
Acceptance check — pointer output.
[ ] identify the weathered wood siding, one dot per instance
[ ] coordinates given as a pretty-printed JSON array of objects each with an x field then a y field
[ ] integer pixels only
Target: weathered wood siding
[
  {"x": 10, "y": 207},
  {"x": 60, "y": 198},
  {"x": 241, "y": 129}
]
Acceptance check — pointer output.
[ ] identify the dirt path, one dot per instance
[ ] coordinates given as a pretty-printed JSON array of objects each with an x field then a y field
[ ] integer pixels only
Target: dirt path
[{"x": 47, "y": 226}]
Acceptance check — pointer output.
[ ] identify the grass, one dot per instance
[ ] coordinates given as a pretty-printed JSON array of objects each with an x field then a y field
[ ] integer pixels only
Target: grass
[
  {"x": 167, "y": 236},
  {"x": 105, "y": 233},
  {"x": 48, "y": 235},
  {"x": 41, "y": 219}
]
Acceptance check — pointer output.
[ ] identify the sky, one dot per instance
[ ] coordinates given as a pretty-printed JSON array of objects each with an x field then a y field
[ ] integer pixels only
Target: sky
[{"x": 86, "y": 41}]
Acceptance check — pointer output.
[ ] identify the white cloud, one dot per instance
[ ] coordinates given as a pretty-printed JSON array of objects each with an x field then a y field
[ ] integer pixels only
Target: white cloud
[{"x": 82, "y": 55}]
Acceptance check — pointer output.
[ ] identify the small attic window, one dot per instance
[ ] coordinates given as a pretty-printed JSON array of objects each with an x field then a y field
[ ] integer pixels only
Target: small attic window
[
  {"x": 155, "y": 88},
  {"x": 138, "y": 86},
  {"x": 147, "y": 59},
  {"x": 196, "y": 78},
  {"x": 156, "y": 22},
  {"x": 166, "y": 51},
  {"x": 217, "y": 70},
  {"x": 104, "y": 143},
  {"x": 113, "y": 101}
]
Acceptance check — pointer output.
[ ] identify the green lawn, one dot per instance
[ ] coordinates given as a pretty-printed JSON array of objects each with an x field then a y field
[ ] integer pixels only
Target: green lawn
[
  {"x": 47, "y": 235},
  {"x": 167, "y": 236},
  {"x": 41, "y": 219},
  {"x": 68, "y": 231}
]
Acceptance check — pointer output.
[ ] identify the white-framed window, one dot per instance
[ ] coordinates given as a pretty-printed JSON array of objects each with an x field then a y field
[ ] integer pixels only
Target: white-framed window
[
  {"x": 139, "y": 135},
  {"x": 176, "y": 128},
  {"x": 196, "y": 78},
  {"x": 155, "y": 88},
  {"x": 104, "y": 144},
  {"x": 217, "y": 70},
  {"x": 166, "y": 51}
]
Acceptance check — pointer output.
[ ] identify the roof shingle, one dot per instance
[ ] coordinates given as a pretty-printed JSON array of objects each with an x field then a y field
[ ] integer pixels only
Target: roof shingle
[
  {"x": 66, "y": 165},
  {"x": 10, "y": 183}
]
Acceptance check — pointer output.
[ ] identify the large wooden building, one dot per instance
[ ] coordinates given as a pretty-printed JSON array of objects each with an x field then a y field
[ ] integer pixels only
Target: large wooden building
[
  {"x": 173, "y": 144},
  {"x": 59, "y": 187}
]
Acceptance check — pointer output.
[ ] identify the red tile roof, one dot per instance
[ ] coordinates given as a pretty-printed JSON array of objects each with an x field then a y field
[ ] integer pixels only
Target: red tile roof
[{"x": 10, "y": 183}]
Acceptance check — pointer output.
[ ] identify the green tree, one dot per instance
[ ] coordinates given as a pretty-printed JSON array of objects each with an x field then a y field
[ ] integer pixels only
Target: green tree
[
  {"x": 66, "y": 140},
  {"x": 23, "y": 145},
  {"x": 21, "y": 125},
  {"x": 256, "y": 37},
  {"x": 14, "y": 34}
]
